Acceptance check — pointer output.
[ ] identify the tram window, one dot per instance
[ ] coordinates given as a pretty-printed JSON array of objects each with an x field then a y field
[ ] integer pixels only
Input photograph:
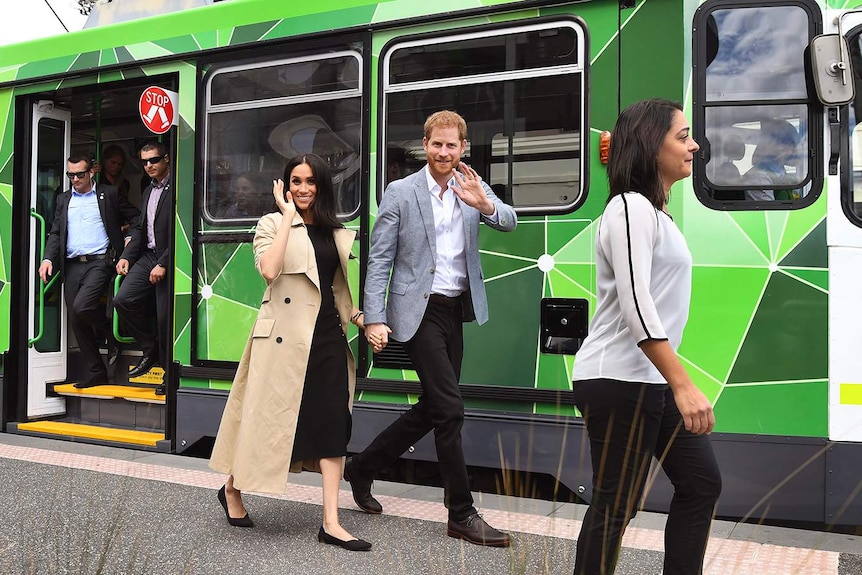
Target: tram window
[
  {"x": 758, "y": 152},
  {"x": 485, "y": 55},
  {"x": 259, "y": 115},
  {"x": 264, "y": 82},
  {"x": 752, "y": 115},
  {"x": 524, "y": 107}
]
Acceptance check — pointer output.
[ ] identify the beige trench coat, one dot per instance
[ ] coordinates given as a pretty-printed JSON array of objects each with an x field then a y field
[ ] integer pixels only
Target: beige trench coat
[{"x": 255, "y": 437}]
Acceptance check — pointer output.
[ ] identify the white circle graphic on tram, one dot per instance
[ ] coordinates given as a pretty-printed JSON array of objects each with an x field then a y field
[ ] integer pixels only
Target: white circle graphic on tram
[{"x": 546, "y": 262}]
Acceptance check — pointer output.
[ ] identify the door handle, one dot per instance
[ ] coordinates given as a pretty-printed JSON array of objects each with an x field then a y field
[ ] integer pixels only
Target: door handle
[{"x": 43, "y": 287}]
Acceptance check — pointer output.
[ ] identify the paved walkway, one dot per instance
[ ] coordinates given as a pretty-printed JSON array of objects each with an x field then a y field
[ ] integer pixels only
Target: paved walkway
[{"x": 71, "y": 508}]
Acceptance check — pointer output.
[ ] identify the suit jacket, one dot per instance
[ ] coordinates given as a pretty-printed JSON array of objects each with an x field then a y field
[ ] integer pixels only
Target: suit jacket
[
  {"x": 115, "y": 211},
  {"x": 404, "y": 242},
  {"x": 162, "y": 229}
]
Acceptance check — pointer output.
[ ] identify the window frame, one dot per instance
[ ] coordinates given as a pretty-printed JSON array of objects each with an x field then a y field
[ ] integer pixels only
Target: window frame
[
  {"x": 845, "y": 136},
  {"x": 207, "y": 109},
  {"x": 703, "y": 188},
  {"x": 385, "y": 87}
]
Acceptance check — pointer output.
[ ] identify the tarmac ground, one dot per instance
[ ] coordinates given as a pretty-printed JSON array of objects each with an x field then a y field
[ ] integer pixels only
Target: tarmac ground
[{"x": 74, "y": 508}]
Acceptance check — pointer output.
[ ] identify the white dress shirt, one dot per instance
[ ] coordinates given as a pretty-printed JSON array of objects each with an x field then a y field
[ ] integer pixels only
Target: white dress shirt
[{"x": 450, "y": 268}]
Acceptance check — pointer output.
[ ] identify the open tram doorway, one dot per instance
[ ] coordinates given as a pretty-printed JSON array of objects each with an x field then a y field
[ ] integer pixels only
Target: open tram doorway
[{"x": 103, "y": 122}]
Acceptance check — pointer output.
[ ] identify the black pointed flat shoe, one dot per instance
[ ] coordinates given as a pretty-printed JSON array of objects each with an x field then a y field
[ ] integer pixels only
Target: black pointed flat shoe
[
  {"x": 352, "y": 545},
  {"x": 242, "y": 521}
]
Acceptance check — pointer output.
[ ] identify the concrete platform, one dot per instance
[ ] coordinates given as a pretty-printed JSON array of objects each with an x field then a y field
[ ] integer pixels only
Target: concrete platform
[{"x": 72, "y": 508}]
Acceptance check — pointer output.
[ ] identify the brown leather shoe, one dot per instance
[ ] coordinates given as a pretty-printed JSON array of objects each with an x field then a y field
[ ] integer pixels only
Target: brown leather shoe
[
  {"x": 476, "y": 531},
  {"x": 361, "y": 488}
]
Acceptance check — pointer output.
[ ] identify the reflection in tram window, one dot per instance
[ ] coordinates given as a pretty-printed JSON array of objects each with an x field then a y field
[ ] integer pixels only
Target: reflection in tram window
[
  {"x": 260, "y": 114},
  {"x": 759, "y": 54}
]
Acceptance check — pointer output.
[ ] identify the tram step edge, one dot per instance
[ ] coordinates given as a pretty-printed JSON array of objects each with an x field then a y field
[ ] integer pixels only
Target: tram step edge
[
  {"x": 95, "y": 432},
  {"x": 129, "y": 393}
]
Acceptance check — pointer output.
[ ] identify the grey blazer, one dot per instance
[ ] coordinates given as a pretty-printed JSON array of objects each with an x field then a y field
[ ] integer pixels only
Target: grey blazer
[{"x": 403, "y": 242}]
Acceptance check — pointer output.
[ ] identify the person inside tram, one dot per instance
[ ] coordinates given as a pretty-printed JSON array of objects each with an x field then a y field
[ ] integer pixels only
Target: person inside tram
[
  {"x": 777, "y": 149},
  {"x": 84, "y": 243},
  {"x": 397, "y": 162},
  {"x": 110, "y": 169},
  {"x": 726, "y": 173},
  {"x": 250, "y": 200},
  {"x": 290, "y": 404}
]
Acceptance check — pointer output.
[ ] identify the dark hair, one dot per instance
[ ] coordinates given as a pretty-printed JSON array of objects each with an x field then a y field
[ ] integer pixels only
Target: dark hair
[
  {"x": 113, "y": 151},
  {"x": 635, "y": 143},
  {"x": 159, "y": 147},
  {"x": 323, "y": 208},
  {"x": 77, "y": 157}
]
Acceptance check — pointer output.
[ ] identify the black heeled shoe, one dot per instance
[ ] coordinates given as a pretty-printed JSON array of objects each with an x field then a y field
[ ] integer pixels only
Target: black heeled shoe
[
  {"x": 352, "y": 545},
  {"x": 242, "y": 521}
]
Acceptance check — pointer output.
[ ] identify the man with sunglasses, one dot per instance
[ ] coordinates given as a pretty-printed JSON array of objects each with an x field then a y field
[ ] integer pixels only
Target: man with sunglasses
[
  {"x": 83, "y": 244},
  {"x": 147, "y": 264}
]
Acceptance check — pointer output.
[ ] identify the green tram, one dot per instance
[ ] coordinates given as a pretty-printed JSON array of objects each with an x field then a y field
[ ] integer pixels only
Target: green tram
[{"x": 774, "y": 336}]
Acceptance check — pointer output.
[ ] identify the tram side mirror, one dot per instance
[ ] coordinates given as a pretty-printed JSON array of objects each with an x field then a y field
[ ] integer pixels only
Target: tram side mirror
[{"x": 830, "y": 70}]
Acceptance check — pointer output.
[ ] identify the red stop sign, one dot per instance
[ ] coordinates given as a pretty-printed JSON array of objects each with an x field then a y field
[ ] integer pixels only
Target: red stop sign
[{"x": 156, "y": 109}]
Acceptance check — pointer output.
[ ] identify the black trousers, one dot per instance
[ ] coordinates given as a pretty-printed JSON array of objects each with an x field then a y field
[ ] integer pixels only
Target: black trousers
[
  {"x": 84, "y": 286},
  {"x": 131, "y": 305},
  {"x": 436, "y": 352},
  {"x": 628, "y": 424}
]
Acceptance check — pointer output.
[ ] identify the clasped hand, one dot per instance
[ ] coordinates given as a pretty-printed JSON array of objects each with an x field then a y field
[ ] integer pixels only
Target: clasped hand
[{"x": 377, "y": 335}]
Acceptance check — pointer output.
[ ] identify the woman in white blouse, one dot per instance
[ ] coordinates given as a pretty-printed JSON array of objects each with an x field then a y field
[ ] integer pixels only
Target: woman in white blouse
[{"x": 636, "y": 397}]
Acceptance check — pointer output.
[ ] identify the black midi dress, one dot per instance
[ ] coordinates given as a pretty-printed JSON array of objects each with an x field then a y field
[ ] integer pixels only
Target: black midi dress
[{"x": 324, "y": 422}]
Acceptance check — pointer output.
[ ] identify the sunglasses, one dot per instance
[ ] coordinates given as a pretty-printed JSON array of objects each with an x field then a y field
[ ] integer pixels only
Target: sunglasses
[
  {"x": 150, "y": 161},
  {"x": 76, "y": 175}
]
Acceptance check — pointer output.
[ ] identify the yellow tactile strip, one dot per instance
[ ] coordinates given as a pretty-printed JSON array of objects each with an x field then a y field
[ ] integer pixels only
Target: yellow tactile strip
[
  {"x": 137, "y": 394},
  {"x": 723, "y": 556},
  {"x": 93, "y": 432}
]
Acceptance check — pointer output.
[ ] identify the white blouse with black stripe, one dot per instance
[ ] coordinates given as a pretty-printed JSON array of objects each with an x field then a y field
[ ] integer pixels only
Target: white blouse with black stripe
[{"x": 643, "y": 287}]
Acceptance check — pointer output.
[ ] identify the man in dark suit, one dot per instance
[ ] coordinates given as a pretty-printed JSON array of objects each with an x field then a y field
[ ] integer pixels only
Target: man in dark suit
[
  {"x": 83, "y": 244},
  {"x": 147, "y": 264},
  {"x": 424, "y": 280}
]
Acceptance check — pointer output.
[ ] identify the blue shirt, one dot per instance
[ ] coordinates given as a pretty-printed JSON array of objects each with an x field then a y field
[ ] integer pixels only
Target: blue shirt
[{"x": 85, "y": 231}]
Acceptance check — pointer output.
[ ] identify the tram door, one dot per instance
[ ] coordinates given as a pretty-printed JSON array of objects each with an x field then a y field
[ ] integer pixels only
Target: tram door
[
  {"x": 47, "y": 333},
  {"x": 844, "y": 239}
]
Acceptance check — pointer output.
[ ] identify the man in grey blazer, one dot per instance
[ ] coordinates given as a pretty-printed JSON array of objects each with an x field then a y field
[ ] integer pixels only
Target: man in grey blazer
[{"x": 426, "y": 235}]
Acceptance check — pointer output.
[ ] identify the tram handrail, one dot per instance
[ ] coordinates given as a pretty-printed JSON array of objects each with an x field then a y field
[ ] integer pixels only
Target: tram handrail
[
  {"x": 115, "y": 318},
  {"x": 43, "y": 286}
]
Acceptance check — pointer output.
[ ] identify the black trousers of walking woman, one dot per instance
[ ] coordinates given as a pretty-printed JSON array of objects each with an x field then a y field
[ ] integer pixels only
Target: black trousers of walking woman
[{"x": 628, "y": 424}]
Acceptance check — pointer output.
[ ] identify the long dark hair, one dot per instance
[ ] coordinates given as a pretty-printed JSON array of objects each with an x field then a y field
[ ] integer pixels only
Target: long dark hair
[
  {"x": 323, "y": 207},
  {"x": 635, "y": 144}
]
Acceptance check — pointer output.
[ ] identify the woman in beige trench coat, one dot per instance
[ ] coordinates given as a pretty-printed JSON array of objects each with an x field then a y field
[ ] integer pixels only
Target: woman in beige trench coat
[{"x": 287, "y": 408}]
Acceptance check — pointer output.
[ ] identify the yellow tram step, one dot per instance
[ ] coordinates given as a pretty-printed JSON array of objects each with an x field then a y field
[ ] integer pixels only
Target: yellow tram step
[
  {"x": 137, "y": 394},
  {"x": 93, "y": 432}
]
